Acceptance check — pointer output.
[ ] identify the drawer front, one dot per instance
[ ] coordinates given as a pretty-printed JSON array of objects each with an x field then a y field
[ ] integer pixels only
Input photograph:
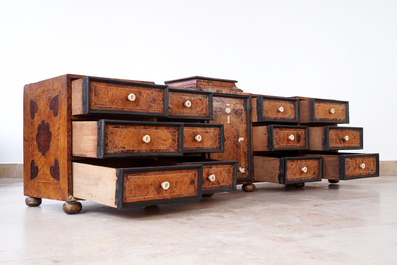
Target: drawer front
[
  {"x": 346, "y": 138},
  {"x": 325, "y": 111},
  {"x": 298, "y": 170},
  {"x": 284, "y": 138},
  {"x": 277, "y": 110},
  {"x": 190, "y": 105},
  {"x": 198, "y": 139},
  {"x": 161, "y": 185},
  {"x": 106, "y": 96},
  {"x": 360, "y": 166},
  {"x": 219, "y": 177}
]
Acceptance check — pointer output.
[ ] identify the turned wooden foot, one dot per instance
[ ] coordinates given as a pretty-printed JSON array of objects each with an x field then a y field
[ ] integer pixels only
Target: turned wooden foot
[
  {"x": 248, "y": 187},
  {"x": 299, "y": 185},
  {"x": 32, "y": 201},
  {"x": 208, "y": 194},
  {"x": 333, "y": 181},
  {"x": 72, "y": 207}
]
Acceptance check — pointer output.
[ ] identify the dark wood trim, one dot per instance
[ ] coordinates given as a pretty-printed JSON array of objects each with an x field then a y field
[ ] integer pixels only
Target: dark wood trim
[
  {"x": 312, "y": 116},
  {"x": 201, "y": 78},
  {"x": 342, "y": 158},
  {"x": 270, "y": 138},
  {"x": 326, "y": 138},
  {"x": 259, "y": 109},
  {"x": 222, "y": 138},
  {"x": 283, "y": 169}
]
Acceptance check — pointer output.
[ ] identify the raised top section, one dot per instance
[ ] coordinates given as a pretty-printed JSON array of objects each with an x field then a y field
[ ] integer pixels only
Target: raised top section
[{"x": 202, "y": 83}]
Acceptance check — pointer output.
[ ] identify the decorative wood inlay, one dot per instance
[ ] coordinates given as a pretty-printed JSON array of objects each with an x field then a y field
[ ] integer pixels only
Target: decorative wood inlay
[
  {"x": 199, "y": 104},
  {"x": 223, "y": 177},
  {"x": 322, "y": 111},
  {"x": 336, "y": 138},
  {"x": 43, "y": 137},
  {"x": 54, "y": 105},
  {"x": 34, "y": 170},
  {"x": 34, "y": 108},
  {"x": 294, "y": 169},
  {"x": 352, "y": 166},
  {"x": 281, "y": 138},
  {"x": 270, "y": 110},
  {"x": 54, "y": 170},
  {"x": 210, "y": 138}
]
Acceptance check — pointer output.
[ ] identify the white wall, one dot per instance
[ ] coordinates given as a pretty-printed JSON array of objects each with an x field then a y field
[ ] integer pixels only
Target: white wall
[{"x": 335, "y": 49}]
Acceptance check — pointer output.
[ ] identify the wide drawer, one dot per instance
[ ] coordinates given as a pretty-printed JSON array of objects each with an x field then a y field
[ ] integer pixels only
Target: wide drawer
[
  {"x": 120, "y": 186},
  {"x": 287, "y": 170},
  {"x": 315, "y": 110},
  {"x": 350, "y": 166},
  {"x": 190, "y": 104},
  {"x": 335, "y": 138},
  {"x": 92, "y": 95},
  {"x": 203, "y": 138},
  {"x": 275, "y": 109},
  {"x": 278, "y": 137},
  {"x": 110, "y": 138}
]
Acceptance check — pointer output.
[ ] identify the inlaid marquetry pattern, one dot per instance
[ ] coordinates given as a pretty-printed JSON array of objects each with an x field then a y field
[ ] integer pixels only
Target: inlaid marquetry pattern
[
  {"x": 353, "y": 169},
  {"x": 322, "y": 111},
  {"x": 270, "y": 110},
  {"x": 294, "y": 169}
]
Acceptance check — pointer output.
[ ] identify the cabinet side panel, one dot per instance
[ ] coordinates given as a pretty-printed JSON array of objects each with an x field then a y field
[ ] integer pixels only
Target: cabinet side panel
[{"x": 47, "y": 146}]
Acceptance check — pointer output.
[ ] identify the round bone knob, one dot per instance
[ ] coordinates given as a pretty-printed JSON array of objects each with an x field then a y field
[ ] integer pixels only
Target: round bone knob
[
  {"x": 346, "y": 138},
  {"x": 187, "y": 104},
  {"x": 165, "y": 185},
  {"x": 291, "y": 137},
  {"x": 362, "y": 166},
  {"x": 211, "y": 177},
  {"x": 146, "y": 138},
  {"x": 332, "y": 111},
  {"x": 304, "y": 169},
  {"x": 198, "y": 138},
  {"x": 280, "y": 109},
  {"x": 131, "y": 97},
  {"x": 228, "y": 110}
]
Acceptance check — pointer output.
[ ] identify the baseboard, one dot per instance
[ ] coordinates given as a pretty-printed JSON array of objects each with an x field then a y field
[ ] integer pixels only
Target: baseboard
[{"x": 14, "y": 170}]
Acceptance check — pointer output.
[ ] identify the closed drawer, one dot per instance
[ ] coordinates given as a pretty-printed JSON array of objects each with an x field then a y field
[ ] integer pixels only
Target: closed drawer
[
  {"x": 350, "y": 166},
  {"x": 287, "y": 170},
  {"x": 122, "y": 186},
  {"x": 278, "y": 137},
  {"x": 109, "y": 138},
  {"x": 190, "y": 104},
  {"x": 323, "y": 111},
  {"x": 91, "y": 95},
  {"x": 335, "y": 138},
  {"x": 275, "y": 109},
  {"x": 203, "y": 138}
]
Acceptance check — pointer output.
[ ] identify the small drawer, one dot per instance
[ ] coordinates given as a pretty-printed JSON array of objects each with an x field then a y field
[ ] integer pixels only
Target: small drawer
[
  {"x": 190, "y": 104},
  {"x": 136, "y": 183},
  {"x": 203, "y": 138},
  {"x": 278, "y": 137},
  {"x": 350, "y": 166},
  {"x": 323, "y": 111},
  {"x": 328, "y": 138},
  {"x": 287, "y": 170},
  {"x": 109, "y": 138},
  {"x": 92, "y": 95},
  {"x": 274, "y": 109}
]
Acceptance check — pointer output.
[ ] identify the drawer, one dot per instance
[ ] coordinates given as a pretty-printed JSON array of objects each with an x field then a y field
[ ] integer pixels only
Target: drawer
[
  {"x": 335, "y": 138},
  {"x": 275, "y": 109},
  {"x": 323, "y": 111},
  {"x": 350, "y": 166},
  {"x": 190, "y": 104},
  {"x": 203, "y": 138},
  {"x": 288, "y": 170},
  {"x": 132, "y": 185},
  {"x": 92, "y": 95},
  {"x": 110, "y": 138},
  {"x": 279, "y": 137}
]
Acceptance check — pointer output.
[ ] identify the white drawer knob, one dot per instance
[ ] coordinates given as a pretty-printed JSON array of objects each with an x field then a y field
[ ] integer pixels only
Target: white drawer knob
[
  {"x": 131, "y": 97},
  {"x": 228, "y": 110},
  {"x": 146, "y": 138},
  {"x": 291, "y": 137},
  {"x": 346, "y": 138},
  {"x": 280, "y": 109},
  {"x": 211, "y": 177},
  {"x": 362, "y": 166},
  {"x": 332, "y": 111},
  {"x": 165, "y": 185},
  {"x": 198, "y": 138},
  {"x": 241, "y": 169},
  {"x": 187, "y": 104},
  {"x": 304, "y": 169}
]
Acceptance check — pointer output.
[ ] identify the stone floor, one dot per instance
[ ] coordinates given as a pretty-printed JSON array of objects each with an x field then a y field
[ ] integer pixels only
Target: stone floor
[{"x": 353, "y": 222}]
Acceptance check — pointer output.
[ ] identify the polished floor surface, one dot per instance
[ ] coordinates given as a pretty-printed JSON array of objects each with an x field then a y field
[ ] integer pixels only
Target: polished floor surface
[{"x": 353, "y": 222}]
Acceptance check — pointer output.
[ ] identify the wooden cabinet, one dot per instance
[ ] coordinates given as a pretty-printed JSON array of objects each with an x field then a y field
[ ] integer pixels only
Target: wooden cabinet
[{"x": 279, "y": 137}]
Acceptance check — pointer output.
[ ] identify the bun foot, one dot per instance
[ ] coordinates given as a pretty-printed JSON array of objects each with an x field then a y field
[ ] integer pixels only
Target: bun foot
[
  {"x": 333, "y": 181},
  {"x": 298, "y": 185},
  {"x": 72, "y": 207},
  {"x": 32, "y": 201},
  {"x": 208, "y": 194},
  {"x": 248, "y": 187}
]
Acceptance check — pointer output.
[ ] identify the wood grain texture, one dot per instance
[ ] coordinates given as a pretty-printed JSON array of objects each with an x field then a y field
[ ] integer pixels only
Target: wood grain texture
[
  {"x": 281, "y": 140},
  {"x": 205, "y": 84},
  {"x": 260, "y": 138},
  {"x": 223, "y": 176},
  {"x": 353, "y": 169},
  {"x": 322, "y": 111},
  {"x": 271, "y": 112},
  {"x": 294, "y": 169},
  {"x": 77, "y": 97},
  {"x": 211, "y": 138},
  {"x": 85, "y": 138},
  {"x": 336, "y": 138},
  {"x": 305, "y": 111},
  {"x": 266, "y": 169},
  {"x": 200, "y": 105},
  {"x": 331, "y": 167},
  {"x": 144, "y": 186},
  {"x": 316, "y": 138}
]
